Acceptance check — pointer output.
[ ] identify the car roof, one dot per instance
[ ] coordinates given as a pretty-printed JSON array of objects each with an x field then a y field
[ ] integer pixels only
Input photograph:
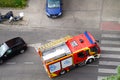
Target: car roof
[{"x": 15, "y": 41}]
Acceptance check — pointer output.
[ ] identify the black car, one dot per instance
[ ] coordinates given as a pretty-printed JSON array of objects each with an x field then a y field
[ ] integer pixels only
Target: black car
[{"x": 11, "y": 48}]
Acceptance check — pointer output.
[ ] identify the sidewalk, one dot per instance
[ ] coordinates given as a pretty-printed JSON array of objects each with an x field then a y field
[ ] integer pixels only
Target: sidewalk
[
  {"x": 77, "y": 14},
  {"x": 32, "y": 14}
]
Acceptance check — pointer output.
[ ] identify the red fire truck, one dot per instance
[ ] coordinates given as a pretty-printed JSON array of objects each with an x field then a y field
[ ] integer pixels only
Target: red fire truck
[{"x": 62, "y": 55}]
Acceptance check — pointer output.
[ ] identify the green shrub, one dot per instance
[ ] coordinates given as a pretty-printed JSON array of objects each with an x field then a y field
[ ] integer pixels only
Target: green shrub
[
  {"x": 118, "y": 70},
  {"x": 13, "y": 3}
]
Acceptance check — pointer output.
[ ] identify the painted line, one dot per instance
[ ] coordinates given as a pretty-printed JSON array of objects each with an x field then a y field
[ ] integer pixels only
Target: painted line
[
  {"x": 114, "y": 71},
  {"x": 109, "y": 63},
  {"x": 110, "y": 42},
  {"x": 110, "y": 35},
  {"x": 28, "y": 62},
  {"x": 11, "y": 63},
  {"x": 110, "y": 48},
  {"x": 110, "y": 56},
  {"x": 51, "y": 40},
  {"x": 101, "y": 77},
  {"x": 92, "y": 65},
  {"x": 35, "y": 45}
]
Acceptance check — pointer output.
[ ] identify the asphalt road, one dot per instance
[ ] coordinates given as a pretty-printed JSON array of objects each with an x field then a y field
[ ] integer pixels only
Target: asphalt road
[{"x": 28, "y": 66}]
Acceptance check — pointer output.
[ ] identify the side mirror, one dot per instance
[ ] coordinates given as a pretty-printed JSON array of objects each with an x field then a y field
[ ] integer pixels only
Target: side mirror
[
  {"x": 97, "y": 41},
  {"x": 9, "y": 51}
]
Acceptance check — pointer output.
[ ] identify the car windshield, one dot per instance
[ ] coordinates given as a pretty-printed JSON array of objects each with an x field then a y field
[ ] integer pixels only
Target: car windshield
[
  {"x": 53, "y": 3},
  {"x": 3, "y": 49}
]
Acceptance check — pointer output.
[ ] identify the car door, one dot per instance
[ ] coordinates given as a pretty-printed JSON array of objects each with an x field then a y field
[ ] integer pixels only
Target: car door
[
  {"x": 8, "y": 53},
  {"x": 80, "y": 57}
]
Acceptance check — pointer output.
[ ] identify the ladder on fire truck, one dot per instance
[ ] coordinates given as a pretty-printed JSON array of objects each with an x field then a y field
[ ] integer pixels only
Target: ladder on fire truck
[{"x": 54, "y": 43}]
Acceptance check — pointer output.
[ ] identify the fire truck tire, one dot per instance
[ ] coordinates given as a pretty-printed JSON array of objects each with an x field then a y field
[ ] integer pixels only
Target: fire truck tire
[
  {"x": 80, "y": 64},
  {"x": 62, "y": 72},
  {"x": 90, "y": 60}
]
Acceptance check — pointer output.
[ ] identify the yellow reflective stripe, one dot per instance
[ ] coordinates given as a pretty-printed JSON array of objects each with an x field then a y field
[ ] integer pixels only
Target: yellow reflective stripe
[{"x": 53, "y": 74}]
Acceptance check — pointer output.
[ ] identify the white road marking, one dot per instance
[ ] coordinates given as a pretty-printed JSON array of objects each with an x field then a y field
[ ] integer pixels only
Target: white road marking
[
  {"x": 51, "y": 40},
  {"x": 110, "y": 35},
  {"x": 110, "y": 42},
  {"x": 101, "y": 77},
  {"x": 100, "y": 70},
  {"x": 109, "y": 63},
  {"x": 117, "y": 56},
  {"x": 110, "y": 48},
  {"x": 110, "y": 56},
  {"x": 35, "y": 45},
  {"x": 11, "y": 63},
  {"x": 28, "y": 62}
]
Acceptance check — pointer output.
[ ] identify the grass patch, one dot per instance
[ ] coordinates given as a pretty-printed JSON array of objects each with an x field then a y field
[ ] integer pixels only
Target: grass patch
[{"x": 13, "y": 3}]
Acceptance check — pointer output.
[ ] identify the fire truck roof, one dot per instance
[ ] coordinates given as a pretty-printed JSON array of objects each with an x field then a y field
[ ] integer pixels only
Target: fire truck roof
[
  {"x": 80, "y": 41},
  {"x": 56, "y": 52}
]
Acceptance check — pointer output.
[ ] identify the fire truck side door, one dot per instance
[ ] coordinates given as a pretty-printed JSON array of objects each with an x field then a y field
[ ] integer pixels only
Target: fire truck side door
[{"x": 80, "y": 57}]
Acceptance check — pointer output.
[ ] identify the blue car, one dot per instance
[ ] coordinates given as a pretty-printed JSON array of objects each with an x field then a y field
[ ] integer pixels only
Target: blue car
[{"x": 54, "y": 8}]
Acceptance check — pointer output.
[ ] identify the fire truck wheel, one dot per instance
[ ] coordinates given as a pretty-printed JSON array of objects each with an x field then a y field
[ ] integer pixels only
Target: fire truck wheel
[
  {"x": 80, "y": 64},
  {"x": 90, "y": 60},
  {"x": 62, "y": 72}
]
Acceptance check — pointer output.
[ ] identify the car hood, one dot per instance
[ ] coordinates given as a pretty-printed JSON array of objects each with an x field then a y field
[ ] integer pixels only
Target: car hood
[{"x": 53, "y": 10}]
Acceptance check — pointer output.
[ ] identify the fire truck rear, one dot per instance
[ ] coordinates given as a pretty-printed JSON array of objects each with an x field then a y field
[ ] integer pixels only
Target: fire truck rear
[{"x": 62, "y": 55}]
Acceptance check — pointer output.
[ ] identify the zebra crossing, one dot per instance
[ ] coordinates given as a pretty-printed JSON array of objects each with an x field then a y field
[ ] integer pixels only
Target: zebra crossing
[{"x": 110, "y": 55}]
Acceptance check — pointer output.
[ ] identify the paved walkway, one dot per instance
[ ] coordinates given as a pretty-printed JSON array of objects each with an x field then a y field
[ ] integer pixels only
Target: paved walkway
[
  {"x": 77, "y": 13},
  {"x": 33, "y": 14}
]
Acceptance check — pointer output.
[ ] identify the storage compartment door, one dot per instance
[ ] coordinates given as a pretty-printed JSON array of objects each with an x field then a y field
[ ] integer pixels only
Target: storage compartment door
[
  {"x": 54, "y": 67},
  {"x": 66, "y": 62}
]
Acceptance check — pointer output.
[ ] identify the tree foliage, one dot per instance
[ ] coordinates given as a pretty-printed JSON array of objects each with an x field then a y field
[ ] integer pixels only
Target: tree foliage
[{"x": 13, "y": 3}]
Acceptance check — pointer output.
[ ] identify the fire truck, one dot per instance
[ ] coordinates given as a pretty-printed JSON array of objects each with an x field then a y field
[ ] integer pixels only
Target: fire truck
[{"x": 62, "y": 55}]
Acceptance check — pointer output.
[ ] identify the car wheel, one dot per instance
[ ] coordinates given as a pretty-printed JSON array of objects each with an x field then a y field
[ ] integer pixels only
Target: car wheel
[
  {"x": 90, "y": 60},
  {"x": 1, "y": 61},
  {"x": 22, "y": 51},
  {"x": 62, "y": 72}
]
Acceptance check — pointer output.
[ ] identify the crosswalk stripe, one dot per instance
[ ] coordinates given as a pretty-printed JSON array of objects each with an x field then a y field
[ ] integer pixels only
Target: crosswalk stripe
[
  {"x": 110, "y": 48},
  {"x": 101, "y": 70},
  {"x": 110, "y": 56},
  {"x": 110, "y": 35},
  {"x": 109, "y": 63},
  {"x": 110, "y": 42},
  {"x": 100, "y": 77}
]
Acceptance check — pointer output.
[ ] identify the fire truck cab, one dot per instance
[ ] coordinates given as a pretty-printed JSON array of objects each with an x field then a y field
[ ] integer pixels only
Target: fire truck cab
[{"x": 62, "y": 55}]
